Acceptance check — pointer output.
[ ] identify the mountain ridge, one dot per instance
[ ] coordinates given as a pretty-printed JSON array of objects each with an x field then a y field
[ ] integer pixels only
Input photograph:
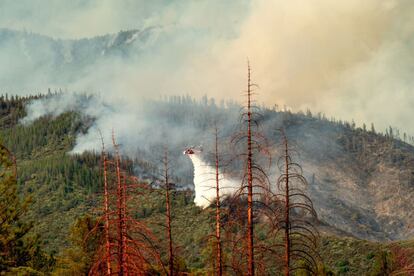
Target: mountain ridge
[
  {"x": 360, "y": 181},
  {"x": 41, "y": 59}
]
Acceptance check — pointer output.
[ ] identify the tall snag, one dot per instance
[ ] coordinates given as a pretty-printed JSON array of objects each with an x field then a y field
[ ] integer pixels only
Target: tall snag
[
  {"x": 106, "y": 210},
  {"x": 128, "y": 248},
  {"x": 250, "y": 245},
  {"x": 216, "y": 178},
  {"x": 121, "y": 212},
  {"x": 255, "y": 181},
  {"x": 294, "y": 218},
  {"x": 167, "y": 188},
  {"x": 219, "y": 251}
]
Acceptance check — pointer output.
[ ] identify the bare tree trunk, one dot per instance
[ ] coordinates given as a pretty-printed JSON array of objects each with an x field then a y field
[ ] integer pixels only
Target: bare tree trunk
[
  {"x": 132, "y": 248},
  {"x": 219, "y": 265},
  {"x": 168, "y": 210},
  {"x": 299, "y": 233},
  {"x": 120, "y": 213},
  {"x": 124, "y": 224},
  {"x": 106, "y": 211},
  {"x": 250, "y": 244},
  {"x": 287, "y": 205}
]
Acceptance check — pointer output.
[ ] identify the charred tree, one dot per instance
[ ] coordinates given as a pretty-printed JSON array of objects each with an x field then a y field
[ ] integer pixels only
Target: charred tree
[
  {"x": 219, "y": 250},
  {"x": 250, "y": 245},
  {"x": 106, "y": 210},
  {"x": 128, "y": 247},
  {"x": 295, "y": 216},
  {"x": 167, "y": 188},
  {"x": 121, "y": 226},
  {"x": 255, "y": 185},
  {"x": 164, "y": 187}
]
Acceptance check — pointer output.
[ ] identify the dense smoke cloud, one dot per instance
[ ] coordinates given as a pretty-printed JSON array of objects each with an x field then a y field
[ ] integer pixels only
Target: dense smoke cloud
[
  {"x": 86, "y": 18},
  {"x": 349, "y": 59}
]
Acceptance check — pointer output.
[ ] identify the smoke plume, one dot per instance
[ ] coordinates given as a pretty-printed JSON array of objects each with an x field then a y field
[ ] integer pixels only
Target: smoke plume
[{"x": 349, "y": 59}]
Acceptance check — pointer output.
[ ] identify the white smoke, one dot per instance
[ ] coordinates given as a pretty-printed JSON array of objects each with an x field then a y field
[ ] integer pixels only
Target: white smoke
[
  {"x": 125, "y": 119},
  {"x": 57, "y": 104},
  {"x": 349, "y": 59},
  {"x": 205, "y": 182}
]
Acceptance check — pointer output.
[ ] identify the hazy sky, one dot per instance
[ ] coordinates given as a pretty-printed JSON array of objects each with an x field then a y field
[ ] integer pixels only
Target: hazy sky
[
  {"x": 86, "y": 18},
  {"x": 351, "y": 59}
]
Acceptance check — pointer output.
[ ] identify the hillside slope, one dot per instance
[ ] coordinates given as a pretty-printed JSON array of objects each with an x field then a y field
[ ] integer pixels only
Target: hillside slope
[{"x": 361, "y": 182}]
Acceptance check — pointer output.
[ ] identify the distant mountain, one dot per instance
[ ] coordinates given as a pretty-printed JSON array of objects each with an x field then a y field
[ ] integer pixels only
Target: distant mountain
[{"x": 37, "y": 59}]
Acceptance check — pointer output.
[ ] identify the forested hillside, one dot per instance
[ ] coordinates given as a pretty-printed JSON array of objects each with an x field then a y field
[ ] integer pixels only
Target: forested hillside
[{"x": 360, "y": 181}]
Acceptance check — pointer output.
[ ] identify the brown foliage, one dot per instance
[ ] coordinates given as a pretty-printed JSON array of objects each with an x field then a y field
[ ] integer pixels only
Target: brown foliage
[
  {"x": 403, "y": 261},
  {"x": 129, "y": 247}
]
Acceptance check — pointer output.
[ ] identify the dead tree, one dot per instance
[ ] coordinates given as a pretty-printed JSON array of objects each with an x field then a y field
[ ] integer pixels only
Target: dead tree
[
  {"x": 106, "y": 210},
  {"x": 164, "y": 187},
  {"x": 219, "y": 251},
  {"x": 255, "y": 182},
  {"x": 121, "y": 214},
  {"x": 129, "y": 247},
  {"x": 250, "y": 245},
  {"x": 294, "y": 216},
  {"x": 216, "y": 178},
  {"x": 403, "y": 261},
  {"x": 167, "y": 188}
]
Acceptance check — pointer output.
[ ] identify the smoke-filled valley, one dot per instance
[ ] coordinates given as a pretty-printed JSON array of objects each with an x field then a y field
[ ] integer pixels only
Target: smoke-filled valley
[
  {"x": 172, "y": 138},
  {"x": 360, "y": 181}
]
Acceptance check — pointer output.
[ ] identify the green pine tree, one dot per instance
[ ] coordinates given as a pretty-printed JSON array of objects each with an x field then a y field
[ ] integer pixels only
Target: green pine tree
[{"x": 20, "y": 253}]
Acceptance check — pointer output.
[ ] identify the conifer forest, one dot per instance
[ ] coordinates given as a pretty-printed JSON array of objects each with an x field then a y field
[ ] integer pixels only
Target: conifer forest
[{"x": 252, "y": 137}]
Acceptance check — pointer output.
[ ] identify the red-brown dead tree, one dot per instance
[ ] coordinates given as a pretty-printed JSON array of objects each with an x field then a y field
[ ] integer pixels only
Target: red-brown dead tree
[
  {"x": 294, "y": 217},
  {"x": 219, "y": 250},
  {"x": 255, "y": 184},
  {"x": 167, "y": 189},
  {"x": 129, "y": 247},
  {"x": 403, "y": 261},
  {"x": 217, "y": 177},
  {"x": 107, "y": 253}
]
